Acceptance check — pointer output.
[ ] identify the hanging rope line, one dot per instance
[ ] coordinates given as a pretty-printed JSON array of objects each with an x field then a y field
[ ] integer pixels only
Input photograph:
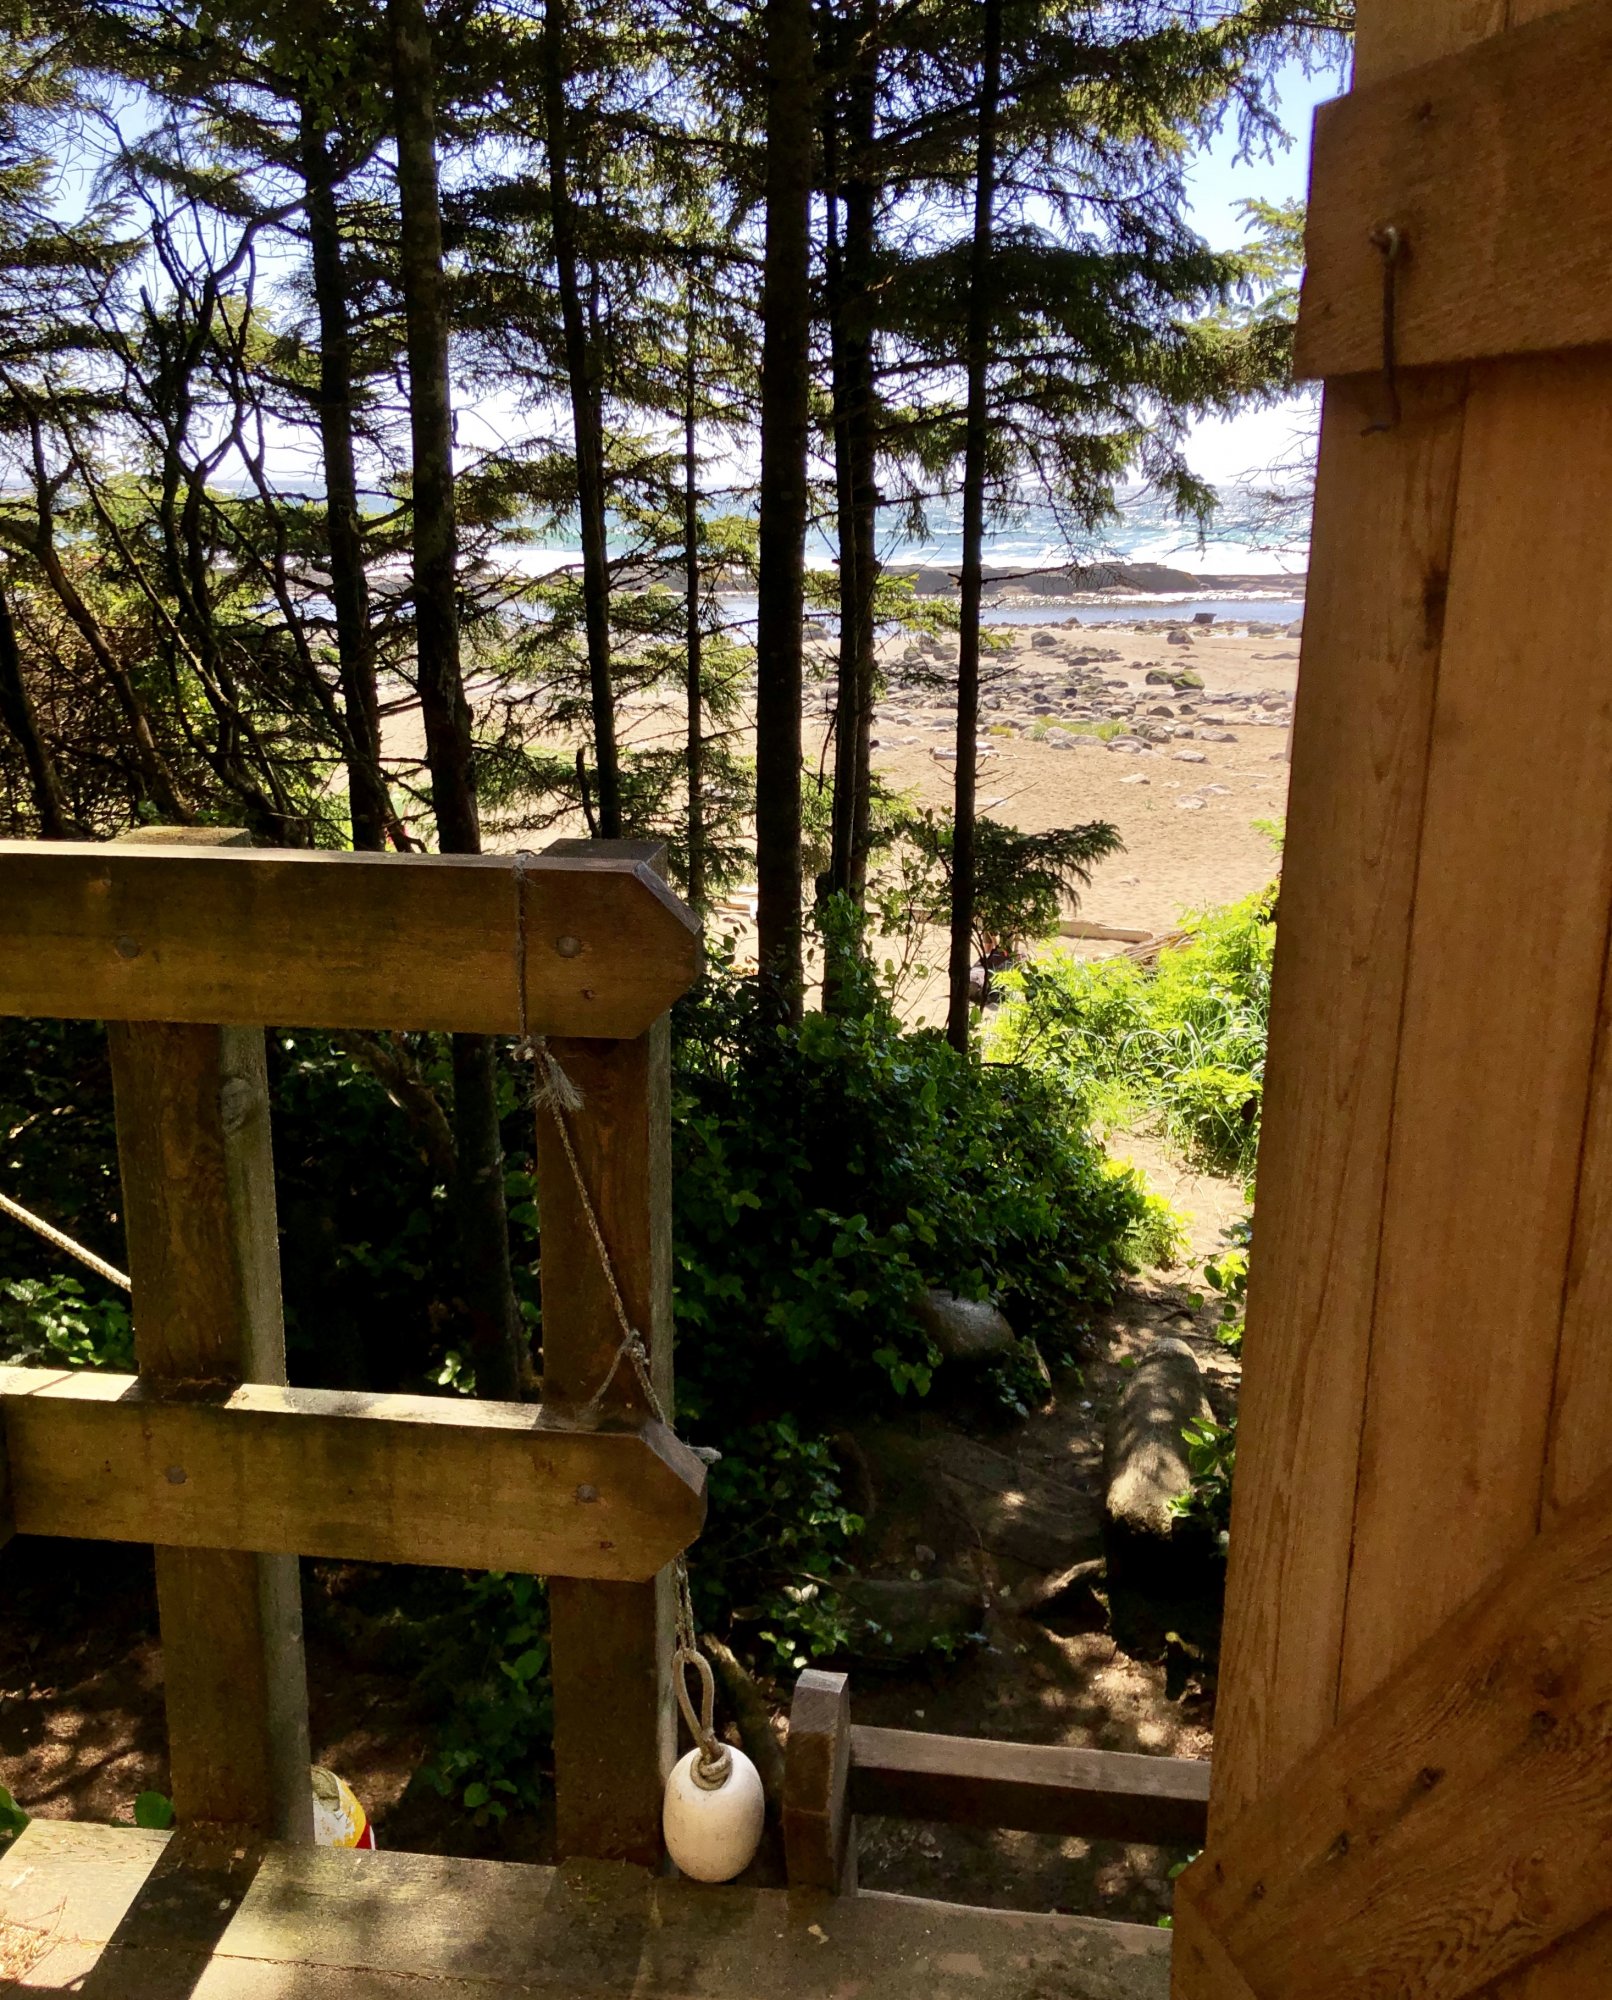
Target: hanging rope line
[
  {"x": 555, "y": 1093},
  {"x": 59, "y": 1241}
]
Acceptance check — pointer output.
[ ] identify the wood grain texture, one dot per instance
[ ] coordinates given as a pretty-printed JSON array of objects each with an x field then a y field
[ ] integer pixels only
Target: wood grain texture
[
  {"x": 615, "y": 1721},
  {"x": 321, "y": 1924},
  {"x": 1032, "y": 1787},
  {"x": 1504, "y": 214},
  {"x": 199, "y": 1213},
  {"x": 1200, "y": 1965},
  {"x": 1581, "y": 1417},
  {"x": 1395, "y": 35},
  {"x": 1580, "y": 1428},
  {"x": 1446, "y": 1832},
  {"x": 371, "y": 1478},
  {"x": 819, "y": 1828},
  {"x": 1372, "y": 630},
  {"x": 324, "y": 940},
  {"x": 1494, "y": 1076}
]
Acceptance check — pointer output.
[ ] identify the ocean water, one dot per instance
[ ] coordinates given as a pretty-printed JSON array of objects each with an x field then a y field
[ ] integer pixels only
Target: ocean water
[{"x": 1252, "y": 536}]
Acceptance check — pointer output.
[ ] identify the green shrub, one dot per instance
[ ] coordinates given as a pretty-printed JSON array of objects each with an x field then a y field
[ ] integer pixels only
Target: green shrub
[
  {"x": 58, "y": 1323},
  {"x": 493, "y": 1680},
  {"x": 1212, "y": 1448},
  {"x": 1183, "y": 1039},
  {"x": 784, "y": 1529},
  {"x": 827, "y": 1173}
]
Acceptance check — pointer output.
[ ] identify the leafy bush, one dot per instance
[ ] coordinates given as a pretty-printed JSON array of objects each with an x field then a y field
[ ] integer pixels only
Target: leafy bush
[
  {"x": 827, "y": 1173},
  {"x": 55, "y": 1322},
  {"x": 1183, "y": 1039},
  {"x": 494, "y": 1682},
  {"x": 782, "y": 1527}
]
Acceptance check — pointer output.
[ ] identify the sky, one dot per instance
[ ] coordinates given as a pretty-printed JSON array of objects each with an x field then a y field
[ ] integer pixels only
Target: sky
[{"x": 1225, "y": 449}]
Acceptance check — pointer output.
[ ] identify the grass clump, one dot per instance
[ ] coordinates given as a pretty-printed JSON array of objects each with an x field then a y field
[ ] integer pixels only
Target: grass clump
[{"x": 1181, "y": 1040}]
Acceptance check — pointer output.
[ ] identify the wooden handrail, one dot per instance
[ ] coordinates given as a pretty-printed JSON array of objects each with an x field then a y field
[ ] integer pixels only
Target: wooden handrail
[
  {"x": 835, "y": 1769},
  {"x": 327, "y": 940},
  {"x": 185, "y": 942},
  {"x": 1031, "y": 1787},
  {"x": 366, "y": 1478}
]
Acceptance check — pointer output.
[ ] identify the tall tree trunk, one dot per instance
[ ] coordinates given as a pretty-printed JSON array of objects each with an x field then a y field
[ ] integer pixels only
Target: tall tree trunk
[
  {"x": 487, "y": 1290},
  {"x": 368, "y": 801},
  {"x": 18, "y": 714},
  {"x": 976, "y": 439},
  {"x": 694, "y": 758},
  {"x": 444, "y": 709},
  {"x": 587, "y": 419},
  {"x": 855, "y": 465},
  {"x": 781, "y": 582}
]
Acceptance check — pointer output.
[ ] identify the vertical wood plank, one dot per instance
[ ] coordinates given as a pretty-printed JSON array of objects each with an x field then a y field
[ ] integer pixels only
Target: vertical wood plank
[
  {"x": 1372, "y": 630},
  {"x": 615, "y": 1723},
  {"x": 819, "y": 1830},
  {"x": 199, "y": 1210},
  {"x": 1497, "y": 1039},
  {"x": 1581, "y": 1415}
]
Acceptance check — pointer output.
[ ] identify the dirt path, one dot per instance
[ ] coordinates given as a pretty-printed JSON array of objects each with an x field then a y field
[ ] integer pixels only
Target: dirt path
[{"x": 1067, "y": 1681}]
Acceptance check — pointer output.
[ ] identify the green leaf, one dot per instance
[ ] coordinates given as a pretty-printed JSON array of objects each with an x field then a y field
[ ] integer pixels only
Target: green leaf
[{"x": 154, "y": 1810}]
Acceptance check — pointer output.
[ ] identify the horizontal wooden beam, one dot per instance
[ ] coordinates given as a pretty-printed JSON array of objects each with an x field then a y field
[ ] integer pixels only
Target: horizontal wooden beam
[
  {"x": 1495, "y": 165},
  {"x": 320, "y": 1472},
  {"x": 327, "y": 940},
  {"x": 1032, "y": 1787},
  {"x": 1443, "y": 1835}
]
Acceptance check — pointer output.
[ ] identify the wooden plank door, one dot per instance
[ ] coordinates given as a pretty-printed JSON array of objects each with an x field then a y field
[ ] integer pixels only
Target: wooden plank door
[{"x": 1412, "y": 1774}]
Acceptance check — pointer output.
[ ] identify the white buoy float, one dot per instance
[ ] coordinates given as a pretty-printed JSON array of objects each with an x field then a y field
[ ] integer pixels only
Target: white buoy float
[
  {"x": 713, "y": 1826},
  {"x": 714, "y": 1807}
]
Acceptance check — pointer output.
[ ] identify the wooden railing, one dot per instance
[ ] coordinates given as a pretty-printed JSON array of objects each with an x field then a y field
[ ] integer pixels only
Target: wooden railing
[
  {"x": 185, "y": 948},
  {"x": 186, "y": 945},
  {"x": 835, "y": 1769}
]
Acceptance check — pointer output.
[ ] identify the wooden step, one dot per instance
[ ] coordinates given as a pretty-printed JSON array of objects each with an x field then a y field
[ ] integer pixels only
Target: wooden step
[{"x": 114, "y": 1913}]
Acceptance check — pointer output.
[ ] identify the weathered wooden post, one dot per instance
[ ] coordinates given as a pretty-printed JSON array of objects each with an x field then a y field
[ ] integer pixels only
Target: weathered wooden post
[
  {"x": 615, "y": 1718},
  {"x": 819, "y": 1828},
  {"x": 204, "y": 1257}
]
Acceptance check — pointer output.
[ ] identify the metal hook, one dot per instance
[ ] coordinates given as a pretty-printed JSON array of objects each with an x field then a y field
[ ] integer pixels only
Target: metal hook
[{"x": 1389, "y": 240}]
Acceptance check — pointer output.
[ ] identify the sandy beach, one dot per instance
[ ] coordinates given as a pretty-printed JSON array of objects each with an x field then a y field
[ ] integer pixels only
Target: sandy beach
[
  {"x": 1185, "y": 784},
  {"x": 1175, "y": 733}
]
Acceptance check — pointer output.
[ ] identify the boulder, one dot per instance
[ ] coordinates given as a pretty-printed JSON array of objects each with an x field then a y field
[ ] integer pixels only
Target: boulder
[
  {"x": 1178, "y": 639},
  {"x": 1147, "y": 1464},
  {"x": 964, "y": 1329},
  {"x": 895, "y": 1621},
  {"x": 1190, "y": 757}
]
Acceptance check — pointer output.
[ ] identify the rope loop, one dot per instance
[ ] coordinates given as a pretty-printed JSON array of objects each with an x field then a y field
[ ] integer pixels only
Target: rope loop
[{"x": 713, "y": 1766}]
